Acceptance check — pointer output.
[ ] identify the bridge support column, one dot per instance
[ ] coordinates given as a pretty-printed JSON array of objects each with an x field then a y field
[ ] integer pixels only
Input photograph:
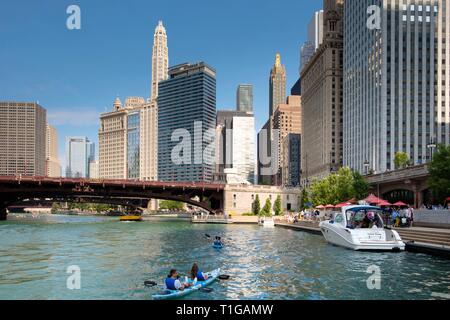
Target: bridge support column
[{"x": 3, "y": 213}]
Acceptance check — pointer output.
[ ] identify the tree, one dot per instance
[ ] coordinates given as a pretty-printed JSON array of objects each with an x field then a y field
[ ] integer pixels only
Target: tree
[
  {"x": 55, "y": 208},
  {"x": 339, "y": 187},
  {"x": 171, "y": 205},
  {"x": 401, "y": 160},
  {"x": 256, "y": 207},
  {"x": 267, "y": 209},
  {"x": 277, "y": 206},
  {"x": 304, "y": 198},
  {"x": 439, "y": 169}
]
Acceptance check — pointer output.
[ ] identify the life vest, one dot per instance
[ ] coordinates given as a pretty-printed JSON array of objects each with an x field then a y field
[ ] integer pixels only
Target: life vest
[
  {"x": 170, "y": 284},
  {"x": 200, "y": 276}
]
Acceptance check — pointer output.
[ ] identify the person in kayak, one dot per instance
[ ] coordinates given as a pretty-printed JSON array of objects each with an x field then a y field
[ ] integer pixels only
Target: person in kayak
[
  {"x": 218, "y": 241},
  {"x": 173, "y": 282},
  {"x": 197, "y": 273}
]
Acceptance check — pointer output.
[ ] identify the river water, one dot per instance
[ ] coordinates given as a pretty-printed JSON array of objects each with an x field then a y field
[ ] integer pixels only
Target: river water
[{"x": 116, "y": 258}]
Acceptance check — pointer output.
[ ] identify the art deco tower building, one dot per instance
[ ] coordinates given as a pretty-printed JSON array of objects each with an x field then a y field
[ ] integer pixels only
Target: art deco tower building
[
  {"x": 160, "y": 59},
  {"x": 277, "y": 85}
]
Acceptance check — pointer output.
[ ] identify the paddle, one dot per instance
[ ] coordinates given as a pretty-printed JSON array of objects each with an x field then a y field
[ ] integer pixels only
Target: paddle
[
  {"x": 224, "y": 277},
  {"x": 150, "y": 283},
  {"x": 207, "y": 290}
]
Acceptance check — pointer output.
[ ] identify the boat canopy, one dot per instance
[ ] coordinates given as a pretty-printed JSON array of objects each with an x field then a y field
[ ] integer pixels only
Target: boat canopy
[{"x": 360, "y": 208}]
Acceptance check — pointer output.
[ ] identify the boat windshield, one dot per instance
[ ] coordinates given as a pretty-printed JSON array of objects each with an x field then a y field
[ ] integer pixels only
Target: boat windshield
[{"x": 364, "y": 218}]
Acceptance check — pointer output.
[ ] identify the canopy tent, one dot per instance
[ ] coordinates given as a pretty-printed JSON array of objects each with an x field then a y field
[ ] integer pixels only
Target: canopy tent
[
  {"x": 373, "y": 199},
  {"x": 400, "y": 204}
]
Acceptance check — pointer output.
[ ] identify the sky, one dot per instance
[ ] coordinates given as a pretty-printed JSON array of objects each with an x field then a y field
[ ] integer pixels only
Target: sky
[{"x": 77, "y": 74}]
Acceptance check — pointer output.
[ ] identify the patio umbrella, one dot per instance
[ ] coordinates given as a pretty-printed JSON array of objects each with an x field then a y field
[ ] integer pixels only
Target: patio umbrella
[
  {"x": 400, "y": 204},
  {"x": 320, "y": 207},
  {"x": 341, "y": 205},
  {"x": 384, "y": 203},
  {"x": 372, "y": 199},
  {"x": 352, "y": 201},
  {"x": 329, "y": 206}
]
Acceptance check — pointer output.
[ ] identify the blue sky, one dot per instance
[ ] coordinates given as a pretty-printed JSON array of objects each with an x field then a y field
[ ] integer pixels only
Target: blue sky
[{"x": 76, "y": 74}]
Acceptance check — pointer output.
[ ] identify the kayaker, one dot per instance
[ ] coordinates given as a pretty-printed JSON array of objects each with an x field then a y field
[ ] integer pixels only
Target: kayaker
[
  {"x": 197, "y": 273},
  {"x": 173, "y": 282},
  {"x": 218, "y": 241}
]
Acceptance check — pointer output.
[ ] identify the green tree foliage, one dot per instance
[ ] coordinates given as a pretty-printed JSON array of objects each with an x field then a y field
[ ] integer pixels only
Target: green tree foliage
[
  {"x": 171, "y": 205},
  {"x": 55, "y": 208},
  {"x": 267, "y": 209},
  {"x": 439, "y": 169},
  {"x": 277, "y": 206},
  {"x": 304, "y": 198},
  {"x": 401, "y": 160},
  {"x": 339, "y": 187},
  {"x": 256, "y": 207}
]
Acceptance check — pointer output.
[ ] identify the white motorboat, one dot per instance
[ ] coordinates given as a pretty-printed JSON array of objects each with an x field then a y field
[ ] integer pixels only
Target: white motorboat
[
  {"x": 361, "y": 228},
  {"x": 266, "y": 222}
]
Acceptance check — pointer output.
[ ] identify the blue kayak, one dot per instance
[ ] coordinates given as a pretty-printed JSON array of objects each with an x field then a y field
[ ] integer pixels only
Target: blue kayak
[{"x": 173, "y": 294}]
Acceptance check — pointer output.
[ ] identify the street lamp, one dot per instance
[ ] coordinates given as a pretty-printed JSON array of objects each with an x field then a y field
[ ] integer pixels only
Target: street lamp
[
  {"x": 366, "y": 166},
  {"x": 432, "y": 145}
]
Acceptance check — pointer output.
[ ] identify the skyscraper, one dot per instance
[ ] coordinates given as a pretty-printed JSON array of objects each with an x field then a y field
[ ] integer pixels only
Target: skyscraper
[
  {"x": 53, "y": 165},
  {"x": 187, "y": 116},
  {"x": 79, "y": 152},
  {"x": 291, "y": 149},
  {"x": 160, "y": 59},
  {"x": 23, "y": 128},
  {"x": 315, "y": 38},
  {"x": 277, "y": 85},
  {"x": 244, "y": 98},
  {"x": 396, "y": 82},
  {"x": 235, "y": 153},
  {"x": 322, "y": 100}
]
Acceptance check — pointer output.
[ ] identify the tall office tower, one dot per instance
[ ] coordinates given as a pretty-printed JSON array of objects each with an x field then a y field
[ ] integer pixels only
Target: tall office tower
[
  {"x": 112, "y": 143},
  {"x": 79, "y": 152},
  {"x": 266, "y": 154},
  {"x": 53, "y": 166},
  {"x": 149, "y": 142},
  {"x": 322, "y": 100},
  {"x": 22, "y": 139},
  {"x": 235, "y": 153},
  {"x": 133, "y": 144},
  {"x": 396, "y": 82},
  {"x": 94, "y": 169},
  {"x": 291, "y": 149},
  {"x": 160, "y": 59},
  {"x": 287, "y": 119},
  {"x": 244, "y": 98},
  {"x": 187, "y": 117},
  {"x": 277, "y": 85},
  {"x": 315, "y": 39}
]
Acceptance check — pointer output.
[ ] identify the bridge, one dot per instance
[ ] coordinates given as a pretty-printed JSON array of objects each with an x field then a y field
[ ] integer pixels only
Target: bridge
[
  {"x": 408, "y": 185},
  {"x": 15, "y": 189}
]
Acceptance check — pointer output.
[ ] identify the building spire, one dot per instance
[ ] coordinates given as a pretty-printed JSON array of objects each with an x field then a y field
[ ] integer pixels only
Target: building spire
[
  {"x": 160, "y": 59},
  {"x": 278, "y": 60}
]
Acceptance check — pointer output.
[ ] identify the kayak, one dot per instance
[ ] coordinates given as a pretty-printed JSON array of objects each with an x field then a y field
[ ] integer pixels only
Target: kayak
[
  {"x": 218, "y": 246},
  {"x": 173, "y": 294}
]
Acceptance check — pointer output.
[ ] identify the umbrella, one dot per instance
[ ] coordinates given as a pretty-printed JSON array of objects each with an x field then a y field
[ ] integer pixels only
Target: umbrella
[
  {"x": 352, "y": 201},
  {"x": 320, "y": 207},
  {"x": 329, "y": 206},
  {"x": 341, "y": 205},
  {"x": 384, "y": 203},
  {"x": 400, "y": 204},
  {"x": 372, "y": 199}
]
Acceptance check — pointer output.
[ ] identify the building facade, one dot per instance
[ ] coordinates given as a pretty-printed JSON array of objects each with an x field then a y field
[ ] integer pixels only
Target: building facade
[
  {"x": 287, "y": 119},
  {"x": 80, "y": 151},
  {"x": 244, "y": 98},
  {"x": 396, "y": 82},
  {"x": 322, "y": 98},
  {"x": 23, "y": 127},
  {"x": 291, "y": 165},
  {"x": 314, "y": 39},
  {"x": 235, "y": 152},
  {"x": 53, "y": 166},
  {"x": 187, "y": 124}
]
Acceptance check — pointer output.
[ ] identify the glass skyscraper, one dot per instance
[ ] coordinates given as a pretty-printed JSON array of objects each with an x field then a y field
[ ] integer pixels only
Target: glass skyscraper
[
  {"x": 244, "y": 98},
  {"x": 187, "y": 114},
  {"x": 396, "y": 81},
  {"x": 79, "y": 152},
  {"x": 133, "y": 144}
]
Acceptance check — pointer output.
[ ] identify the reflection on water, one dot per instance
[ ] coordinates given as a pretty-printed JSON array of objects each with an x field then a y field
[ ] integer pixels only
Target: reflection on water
[{"x": 116, "y": 258}]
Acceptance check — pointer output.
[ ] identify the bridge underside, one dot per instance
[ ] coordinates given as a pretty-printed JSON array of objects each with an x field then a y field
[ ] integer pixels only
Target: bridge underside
[{"x": 135, "y": 195}]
